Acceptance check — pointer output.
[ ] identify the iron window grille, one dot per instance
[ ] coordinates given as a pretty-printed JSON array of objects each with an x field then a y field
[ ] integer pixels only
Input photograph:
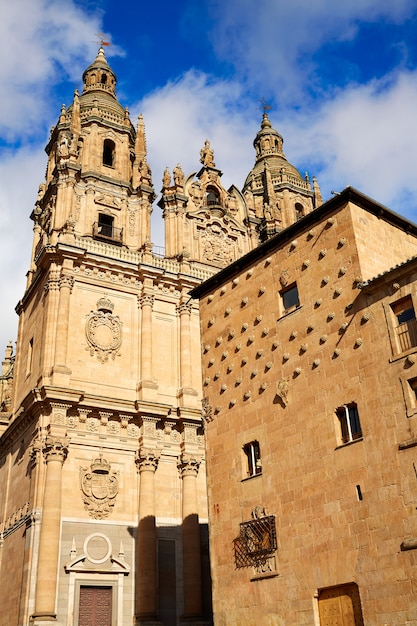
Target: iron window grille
[{"x": 256, "y": 542}]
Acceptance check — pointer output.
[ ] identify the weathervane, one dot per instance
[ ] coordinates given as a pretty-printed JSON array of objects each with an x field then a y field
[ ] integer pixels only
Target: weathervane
[
  {"x": 265, "y": 106},
  {"x": 102, "y": 39}
]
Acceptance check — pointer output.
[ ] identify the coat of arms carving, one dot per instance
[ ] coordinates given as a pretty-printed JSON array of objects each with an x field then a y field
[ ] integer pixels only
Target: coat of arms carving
[
  {"x": 103, "y": 331},
  {"x": 99, "y": 487}
]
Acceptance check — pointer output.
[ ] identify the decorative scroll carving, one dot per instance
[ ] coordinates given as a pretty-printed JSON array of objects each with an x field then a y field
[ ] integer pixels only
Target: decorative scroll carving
[
  {"x": 108, "y": 200},
  {"x": 146, "y": 299},
  {"x": 133, "y": 430},
  {"x": 188, "y": 465},
  {"x": 103, "y": 331},
  {"x": 99, "y": 487},
  {"x": 55, "y": 449},
  {"x": 147, "y": 460},
  {"x": 66, "y": 281},
  {"x": 184, "y": 307}
]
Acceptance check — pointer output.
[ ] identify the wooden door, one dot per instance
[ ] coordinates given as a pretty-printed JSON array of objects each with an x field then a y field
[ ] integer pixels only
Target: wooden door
[
  {"x": 340, "y": 606},
  {"x": 95, "y": 606}
]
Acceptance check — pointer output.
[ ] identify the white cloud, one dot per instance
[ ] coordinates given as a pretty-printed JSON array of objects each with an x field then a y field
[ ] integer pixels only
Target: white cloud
[
  {"x": 272, "y": 44},
  {"x": 366, "y": 137},
  {"x": 16, "y": 203},
  {"x": 42, "y": 43}
]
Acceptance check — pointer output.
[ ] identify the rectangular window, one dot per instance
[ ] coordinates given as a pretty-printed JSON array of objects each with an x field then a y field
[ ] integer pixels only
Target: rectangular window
[
  {"x": 105, "y": 225},
  {"x": 413, "y": 387},
  {"x": 252, "y": 454},
  {"x": 29, "y": 358},
  {"x": 405, "y": 323},
  {"x": 350, "y": 427},
  {"x": 289, "y": 298}
]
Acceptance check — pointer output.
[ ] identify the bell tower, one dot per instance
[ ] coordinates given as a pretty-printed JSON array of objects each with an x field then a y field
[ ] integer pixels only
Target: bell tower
[
  {"x": 275, "y": 192},
  {"x": 105, "y": 416},
  {"x": 98, "y": 183}
]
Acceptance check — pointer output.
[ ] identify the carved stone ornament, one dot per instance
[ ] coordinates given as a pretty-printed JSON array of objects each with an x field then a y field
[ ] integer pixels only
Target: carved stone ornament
[
  {"x": 103, "y": 331},
  {"x": 216, "y": 247},
  {"x": 282, "y": 390},
  {"x": 99, "y": 487},
  {"x": 284, "y": 278}
]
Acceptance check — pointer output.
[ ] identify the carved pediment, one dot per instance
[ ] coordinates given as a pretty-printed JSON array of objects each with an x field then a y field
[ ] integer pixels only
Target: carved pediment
[{"x": 108, "y": 200}]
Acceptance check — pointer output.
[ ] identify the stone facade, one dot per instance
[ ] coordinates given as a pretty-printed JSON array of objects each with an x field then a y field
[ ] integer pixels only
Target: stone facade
[
  {"x": 102, "y": 458},
  {"x": 309, "y": 374}
]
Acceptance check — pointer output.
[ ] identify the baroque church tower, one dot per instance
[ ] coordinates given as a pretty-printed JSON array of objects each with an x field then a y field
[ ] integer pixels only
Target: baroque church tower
[{"x": 104, "y": 514}]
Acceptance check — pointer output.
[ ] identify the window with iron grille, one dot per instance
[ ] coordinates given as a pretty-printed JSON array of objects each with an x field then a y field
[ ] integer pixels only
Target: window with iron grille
[{"x": 256, "y": 542}]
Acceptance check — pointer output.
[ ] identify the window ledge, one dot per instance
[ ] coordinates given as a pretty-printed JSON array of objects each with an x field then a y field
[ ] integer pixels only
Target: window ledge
[
  {"x": 251, "y": 477},
  {"x": 410, "y": 443},
  {"x": 348, "y": 443},
  {"x": 290, "y": 312},
  {"x": 263, "y": 576},
  {"x": 402, "y": 355}
]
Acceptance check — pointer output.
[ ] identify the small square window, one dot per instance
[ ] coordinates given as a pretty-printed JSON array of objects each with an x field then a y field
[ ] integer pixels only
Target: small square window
[
  {"x": 290, "y": 298},
  {"x": 350, "y": 426},
  {"x": 252, "y": 454}
]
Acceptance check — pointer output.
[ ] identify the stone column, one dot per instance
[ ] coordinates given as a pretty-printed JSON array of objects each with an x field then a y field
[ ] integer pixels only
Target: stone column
[
  {"x": 61, "y": 345},
  {"x": 146, "y": 566},
  {"x": 146, "y": 302},
  {"x": 184, "y": 310},
  {"x": 51, "y": 298},
  {"x": 55, "y": 451},
  {"x": 188, "y": 467}
]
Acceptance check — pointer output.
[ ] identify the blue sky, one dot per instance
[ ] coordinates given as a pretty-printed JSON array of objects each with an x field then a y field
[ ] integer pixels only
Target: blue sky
[{"x": 341, "y": 78}]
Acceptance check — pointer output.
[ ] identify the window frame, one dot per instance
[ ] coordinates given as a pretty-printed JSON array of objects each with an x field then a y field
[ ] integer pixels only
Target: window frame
[
  {"x": 109, "y": 153},
  {"x": 350, "y": 428},
  {"x": 283, "y": 293},
  {"x": 108, "y": 223},
  {"x": 252, "y": 459},
  {"x": 404, "y": 321}
]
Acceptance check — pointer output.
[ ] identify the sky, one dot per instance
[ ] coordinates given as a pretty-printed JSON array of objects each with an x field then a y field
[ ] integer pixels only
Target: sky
[{"x": 340, "y": 78}]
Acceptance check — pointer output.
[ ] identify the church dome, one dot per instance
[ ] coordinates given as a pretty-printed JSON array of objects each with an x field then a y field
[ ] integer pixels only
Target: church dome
[
  {"x": 99, "y": 89},
  {"x": 268, "y": 144}
]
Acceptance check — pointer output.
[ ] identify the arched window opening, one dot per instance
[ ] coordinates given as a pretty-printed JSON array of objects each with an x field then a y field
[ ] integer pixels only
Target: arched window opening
[
  {"x": 298, "y": 211},
  {"x": 212, "y": 197},
  {"x": 108, "y": 152},
  {"x": 103, "y": 79}
]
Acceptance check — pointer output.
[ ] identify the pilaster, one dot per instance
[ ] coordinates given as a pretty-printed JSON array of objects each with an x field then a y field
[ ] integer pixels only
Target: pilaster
[
  {"x": 186, "y": 389},
  {"x": 146, "y": 557},
  {"x": 147, "y": 385},
  {"x": 60, "y": 371},
  {"x": 188, "y": 466},
  {"x": 55, "y": 451}
]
